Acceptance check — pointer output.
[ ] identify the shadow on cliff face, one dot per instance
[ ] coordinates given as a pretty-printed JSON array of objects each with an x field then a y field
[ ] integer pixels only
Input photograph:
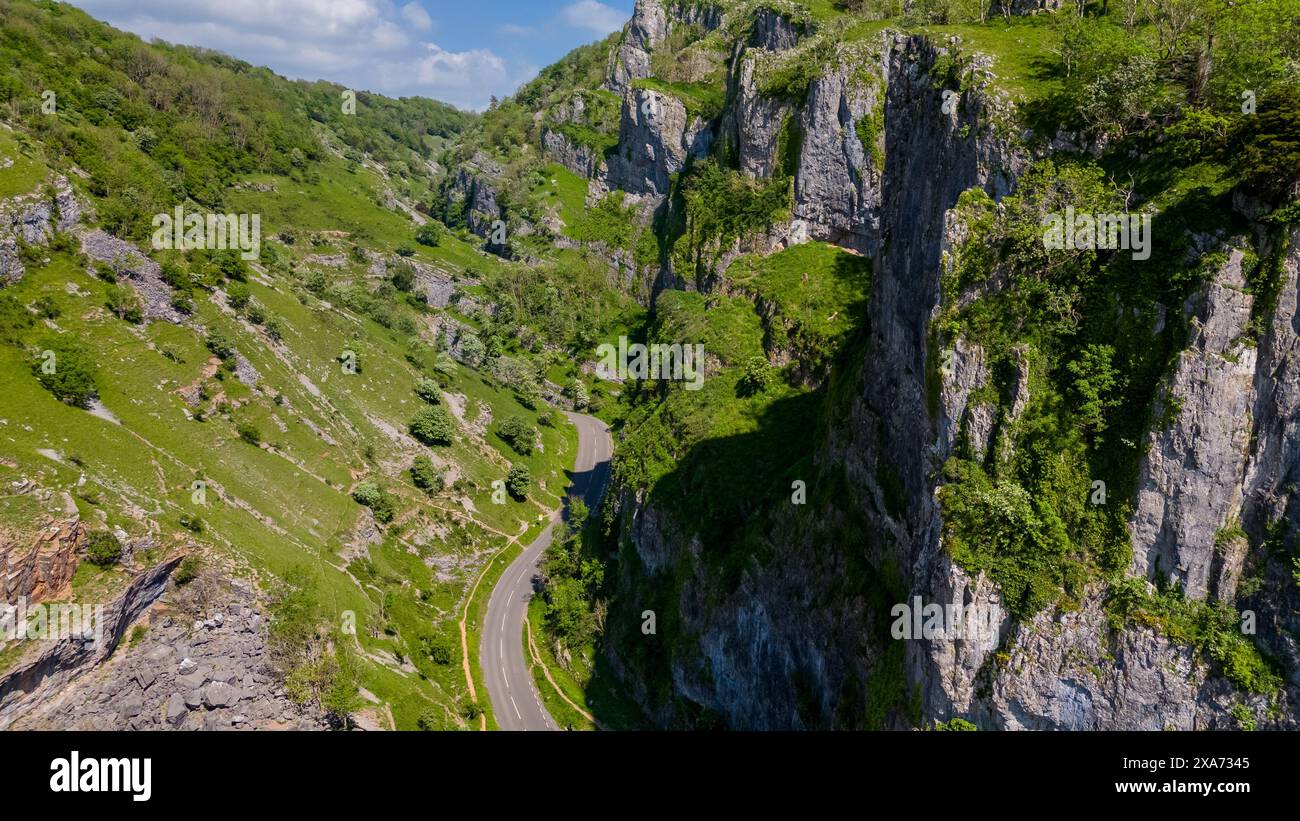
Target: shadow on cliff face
[{"x": 792, "y": 571}]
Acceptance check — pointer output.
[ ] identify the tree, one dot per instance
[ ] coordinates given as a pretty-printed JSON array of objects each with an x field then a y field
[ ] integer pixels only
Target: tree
[
  {"x": 220, "y": 344},
  {"x": 429, "y": 391},
  {"x": 238, "y": 295},
  {"x": 430, "y": 233},
  {"x": 438, "y": 649},
  {"x": 518, "y": 481},
  {"x": 371, "y": 495},
  {"x": 425, "y": 476},
  {"x": 124, "y": 302},
  {"x": 1264, "y": 150},
  {"x": 432, "y": 426},
  {"x": 756, "y": 377},
  {"x": 472, "y": 349},
  {"x": 103, "y": 548},
  {"x": 518, "y": 434},
  {"x": 403, "y": 277},
  {"x": 1096, "y": 384},
  {"x": 67, "y": 370},
  {"x": 581, "y": 398},
  {"x": 249, "y": 433}
]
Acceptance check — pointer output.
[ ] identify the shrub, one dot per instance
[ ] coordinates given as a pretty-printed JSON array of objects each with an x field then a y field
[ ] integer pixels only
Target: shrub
[
  {"x": 439, "y": 650},
  {"x": 66, "y": 370},
  {"x": 47, "y": 307},
  {"x": 518, "y": 481},
  {"x": 188, "y": 570},
  {"x": 105, "y": 271},
  {"x": 430, "y": 234},
  {"x": 425, "y": 476},
  {"x": 518, "y": 434},
  {"x": 956, "y": 725},
  {"x": 432, "y": 426},
  {"x": 429, "y": 391},
  {"x": 249, "y": 433},
  {"x": 371, "y": 495},
  {"x": 757, "y": 376},
  {"x": 238, "y": 295},
  {"x": 103, "y": 548},
  {"x": 220, "y": 344},
  {"x": 125, "y": 303}
]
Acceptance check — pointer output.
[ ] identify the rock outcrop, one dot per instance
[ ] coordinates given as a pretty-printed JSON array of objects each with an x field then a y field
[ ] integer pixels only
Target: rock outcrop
[
  {"x": 656, "y": 137},
  {"x": 47, "y": 669},
  {"x": 1189, "y": 485},
  {"x": 43, "y": 568},
  {"x": 33, "y": 219},
  {"x": 132, "y": 266},
  {"x": 203, "y": 674}
]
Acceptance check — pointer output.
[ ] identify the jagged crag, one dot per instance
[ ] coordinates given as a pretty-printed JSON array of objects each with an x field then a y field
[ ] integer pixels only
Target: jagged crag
[{"x": 1103, "y": 449}]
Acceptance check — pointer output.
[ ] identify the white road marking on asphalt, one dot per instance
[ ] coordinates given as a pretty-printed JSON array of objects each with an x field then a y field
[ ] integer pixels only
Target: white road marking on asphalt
[{"x": 516, "y": 706}]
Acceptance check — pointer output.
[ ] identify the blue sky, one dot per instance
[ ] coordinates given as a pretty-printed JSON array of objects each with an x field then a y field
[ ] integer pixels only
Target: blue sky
[{"x": 458, "y": 51}]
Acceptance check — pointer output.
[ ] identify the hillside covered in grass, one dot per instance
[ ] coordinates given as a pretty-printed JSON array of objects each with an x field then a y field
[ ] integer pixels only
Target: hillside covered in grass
[{"x": 334, "y": 420}]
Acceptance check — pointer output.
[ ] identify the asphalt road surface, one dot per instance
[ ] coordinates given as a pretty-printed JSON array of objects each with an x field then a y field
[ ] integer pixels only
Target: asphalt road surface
[{"x": 515, "y": 701}]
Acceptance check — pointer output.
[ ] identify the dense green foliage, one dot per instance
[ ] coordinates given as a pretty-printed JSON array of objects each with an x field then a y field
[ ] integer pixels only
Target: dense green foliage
[
  {"x": 518, "y": 434},
  {"x": 103, "y": 548},
  {"x": 67, "y": 370},
  {"x": 432, "y": 426}
]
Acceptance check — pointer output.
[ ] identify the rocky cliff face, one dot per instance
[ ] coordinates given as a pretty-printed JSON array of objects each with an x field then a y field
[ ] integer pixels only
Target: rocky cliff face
[
  {"x": 33, "y": 219},
  {"x": 41, "y": 569},
  {"x": 792, "y": 641},
  {"x": 656, "y": 137},
  {"x": 1190, "y": 482},
  {"x": 579, "y": 159},
  {"x": 651, "y": 22},
  {"x": 471, "y": 199},
  {"x": 47, "y": 669},
  {"x": 186, "y": 673},
  {"x": 752, "y": 660},
  {"x": 1271, "y": 505}
]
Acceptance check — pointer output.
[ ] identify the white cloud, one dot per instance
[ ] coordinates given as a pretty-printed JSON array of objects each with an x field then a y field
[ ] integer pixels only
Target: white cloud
[
  {"x": 415, "y": 14},
  {"x": 375, "y": 45},
  {"x": 594, "y": 16}
]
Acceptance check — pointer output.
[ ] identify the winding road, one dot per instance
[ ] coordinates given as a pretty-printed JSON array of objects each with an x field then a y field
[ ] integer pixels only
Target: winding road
[{"x": 515, "y": 700}]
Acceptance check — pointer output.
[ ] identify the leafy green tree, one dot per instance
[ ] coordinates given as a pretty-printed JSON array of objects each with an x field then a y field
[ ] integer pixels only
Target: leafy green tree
[
  {"x": 238, "y": 295},
  {"x": 220, "y": 344},
  {"x": 757, "y": 376},
  {"x": 67, "y": 370},
  {"x": 472, "y": 349},
  {"x": 956, "y": 725},
  {"x": 518, "y": 482},
  {"x": 249, "y": 433},
  {"x": 380, "y": 502},
  {"x": 125, "y": 303},
  {"x": 430, "y": 233},
  {"x": 433, "y": 426},
  {"x": 438, "y": 649},
  {"x": 429, "y": 390},
  {"x": 103, "y": 548},
  {"x": 1264, "y": 150},
  {"x": 1096, "y": 384},
  {"x": 425, "y": 476},
  {"x": 518, "y": 434}
]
